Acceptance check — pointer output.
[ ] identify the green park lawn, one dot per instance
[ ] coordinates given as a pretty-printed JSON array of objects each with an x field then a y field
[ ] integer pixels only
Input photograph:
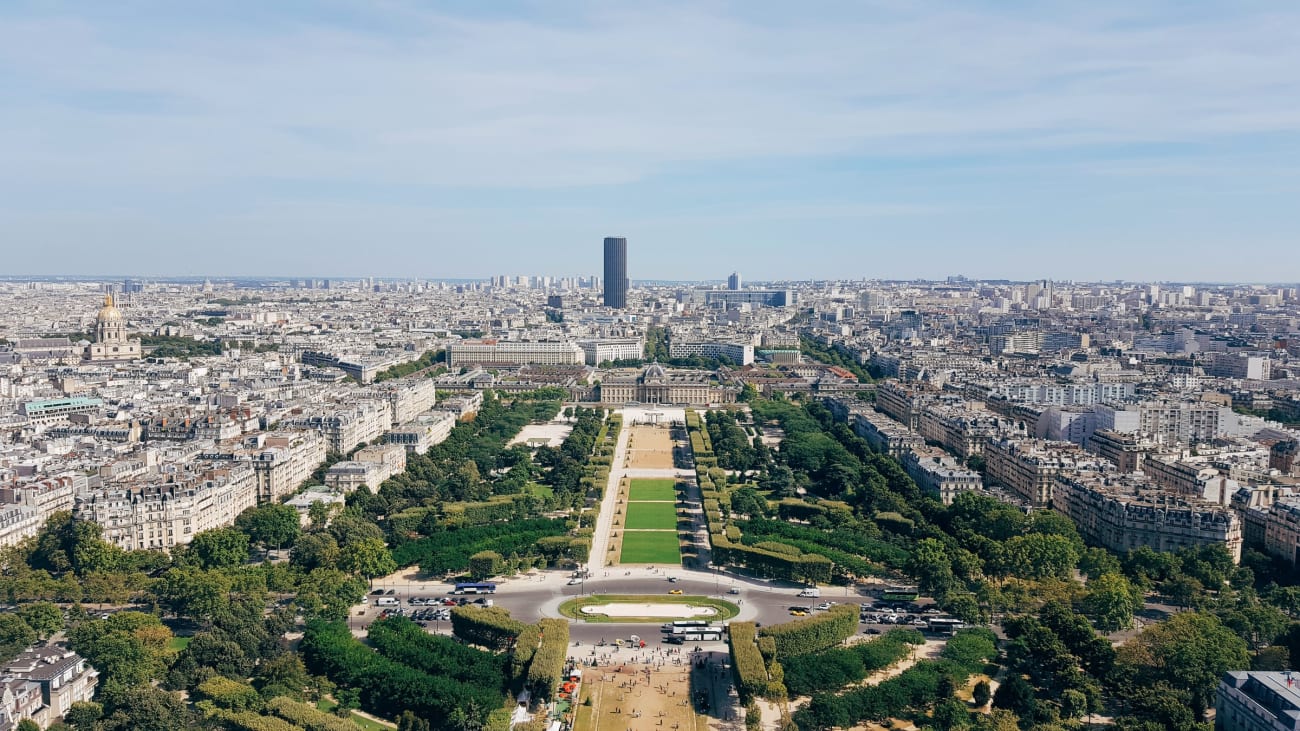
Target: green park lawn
[
  {"x": 653, "y": 547},
  {"x": 643, "y": 489},
  {"x": 651, "y": 516}
]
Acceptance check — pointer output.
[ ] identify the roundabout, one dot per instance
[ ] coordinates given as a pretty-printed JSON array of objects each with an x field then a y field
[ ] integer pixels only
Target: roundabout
[{"x": 646, "y": 608}]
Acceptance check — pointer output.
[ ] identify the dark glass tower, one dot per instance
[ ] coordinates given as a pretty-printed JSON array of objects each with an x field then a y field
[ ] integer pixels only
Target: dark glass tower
[{"x": 615, "y": 272}]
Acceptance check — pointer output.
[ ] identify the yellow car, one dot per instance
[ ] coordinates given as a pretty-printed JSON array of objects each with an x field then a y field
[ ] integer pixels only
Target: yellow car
[
  {"x": 675, "y": 591},
  {"x": 798, "y": 613}
]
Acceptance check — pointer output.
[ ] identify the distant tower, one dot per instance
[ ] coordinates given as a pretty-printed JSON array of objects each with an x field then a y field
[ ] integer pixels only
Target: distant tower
[
  {"x": 616, "y": 283},
  {"x": 733, "y": 282}
]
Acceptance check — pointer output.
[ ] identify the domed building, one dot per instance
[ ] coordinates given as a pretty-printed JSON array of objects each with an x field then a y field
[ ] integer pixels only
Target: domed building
[{"x": 111, "y": 343}]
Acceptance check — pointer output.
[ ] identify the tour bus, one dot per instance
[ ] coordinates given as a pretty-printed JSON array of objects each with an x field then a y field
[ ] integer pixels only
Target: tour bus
[
  {"x": 475, "y": 589},
  {"x": 899, "y": 594},
  {"x": 945, "y": 625},
  {"x": 705, "y": 634}
]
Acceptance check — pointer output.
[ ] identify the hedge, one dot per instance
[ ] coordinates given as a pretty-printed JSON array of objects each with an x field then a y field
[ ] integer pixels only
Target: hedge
[
  {"x": 249, "y": 721},
  {"x": 490, "y": 627},
  {"x": 747, "y": 661},
  {"x": 810, "y": 567},
  {"x": 837, "y": 667},
  {"x": 226, "y": 693},
  {"x": 387, "y": 687},
  {"x": 547, "y": 667},
  {"x": 814, "y": 633},
  {"x": 308, "y": 717},
  {"x": 525, "y": 648},
  {"x": 402, "y": 640}
]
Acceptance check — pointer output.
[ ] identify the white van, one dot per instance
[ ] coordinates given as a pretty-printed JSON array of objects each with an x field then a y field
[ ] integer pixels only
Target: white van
[
  {"x": 812, "y": 592},
  {"x": 386, "y": 601}
]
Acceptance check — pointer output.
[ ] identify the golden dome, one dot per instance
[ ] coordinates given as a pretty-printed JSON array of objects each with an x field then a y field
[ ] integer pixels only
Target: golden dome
[{"x": 109, "y": 313}]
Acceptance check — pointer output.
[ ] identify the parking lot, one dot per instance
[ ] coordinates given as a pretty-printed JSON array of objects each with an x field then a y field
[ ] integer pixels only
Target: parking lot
[{"x": 432, "y": 611}]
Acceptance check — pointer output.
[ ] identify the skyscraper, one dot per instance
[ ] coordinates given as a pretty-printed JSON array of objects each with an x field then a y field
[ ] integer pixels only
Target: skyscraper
[
  {"x": 616, "y": 283},
  {"x": 733, "y": 282}
]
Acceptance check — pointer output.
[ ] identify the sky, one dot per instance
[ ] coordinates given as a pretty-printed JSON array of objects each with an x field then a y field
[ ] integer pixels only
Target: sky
[{"x": 1007, "y": 139}]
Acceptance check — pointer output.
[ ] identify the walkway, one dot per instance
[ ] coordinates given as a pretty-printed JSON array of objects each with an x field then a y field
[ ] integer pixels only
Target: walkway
[{"x": 599, "y": 557}]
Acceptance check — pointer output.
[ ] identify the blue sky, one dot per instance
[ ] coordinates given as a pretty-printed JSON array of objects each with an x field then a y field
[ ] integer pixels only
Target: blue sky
[{"x": 1099, "y": 140}]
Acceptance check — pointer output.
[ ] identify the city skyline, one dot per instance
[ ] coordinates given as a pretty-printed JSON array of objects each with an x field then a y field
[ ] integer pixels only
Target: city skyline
[{"x": 1106, "y": 142}]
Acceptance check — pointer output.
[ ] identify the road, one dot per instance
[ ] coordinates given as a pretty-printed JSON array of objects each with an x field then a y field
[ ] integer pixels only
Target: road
[{"x": 530, "y": 598}]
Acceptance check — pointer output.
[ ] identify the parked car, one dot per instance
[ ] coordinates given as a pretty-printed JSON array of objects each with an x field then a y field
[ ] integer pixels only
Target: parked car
[
  {"x": 574, "y": 581},
  {"x": 376, "y": 592},
  {"x": 733, "y": 590},
  {"x": 823, "y": 606},
  {"x": 416, "y": 601}
]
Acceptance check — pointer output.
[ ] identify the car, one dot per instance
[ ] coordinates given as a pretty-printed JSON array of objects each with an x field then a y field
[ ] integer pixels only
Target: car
[
  {"x": 391, "y": 592},
  {"x": 798, "y": 613},
  {"x": 823, "y": 606},
  {"x": 574, "y": 580},
  {"x": 675, "y": 591},
  {"x": 448, "y": 602},
  {"x": 377, "y": 592},
  {"x": 672, "y": 579},
  {"x": 416, "y": 601},
  {"x": 674, "y": 639},
  {"x": 733, "y": 590},
  {"x": 871, "y": 631}
]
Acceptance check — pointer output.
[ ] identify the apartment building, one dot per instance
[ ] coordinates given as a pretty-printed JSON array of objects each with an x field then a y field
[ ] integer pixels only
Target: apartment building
[
  {"x": 24, "y": 507},
  {"x": 959, "y": 430},
  {"x": 168, "y": 512},
  {"x": 938, "y": 474},
  {"x": 422, "y": 432},
  {"x": 1124, "y": 512},
  {"x": 348, "y": 425},
  {"x": 884, "y": 434},
  {"x": 59, "y": 676},
  {"x": 406, "y": 397},
  {"x": 514, "y": 352},
  {"x": 902, "y": 403},
  {"x": 611, "y": 349},
  {"x": 1028, "y": 467},
  {"x": 1258, "y": 700},
  {"x": 738, "y": 353},
  {"x": 1126, "y": 451},
  {"x": 369, "y": 467}
]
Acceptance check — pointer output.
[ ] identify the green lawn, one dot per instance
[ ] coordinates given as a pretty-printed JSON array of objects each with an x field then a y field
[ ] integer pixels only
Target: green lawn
[
  {"x": 328, "y": 706},
  {"x": 653, "y": 547},
  {"x": 651, "y": 516},
  {"x": 652, "y": 490},
  {"x": 176, "y": 644}
]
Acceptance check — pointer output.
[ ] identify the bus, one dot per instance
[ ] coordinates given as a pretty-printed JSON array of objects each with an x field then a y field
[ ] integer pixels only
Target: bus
[
  {"x": 703, "y": 634},
  {"x": 945, "y": 625},
  {"x": 691, "y": 623},
  {"x": 475, "y": 589},
  {"x": 899, "y": 594}
]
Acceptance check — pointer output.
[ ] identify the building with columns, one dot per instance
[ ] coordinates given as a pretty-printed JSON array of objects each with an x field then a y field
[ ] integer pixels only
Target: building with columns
[{"x": 111, "y": 343}]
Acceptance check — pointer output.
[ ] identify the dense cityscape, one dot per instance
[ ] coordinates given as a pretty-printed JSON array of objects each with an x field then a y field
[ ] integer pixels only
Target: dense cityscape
[
  {"x": 267, "y": 503},
  {"x": 420, "y": 365}
]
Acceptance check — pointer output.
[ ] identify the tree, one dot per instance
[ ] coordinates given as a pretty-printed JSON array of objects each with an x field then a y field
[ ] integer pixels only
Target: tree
[
  {"x": 950, "y": 714},
  {"x": 43, "y": 617},
  {"x": 485, "y": 564},
  {"x": 319, "y": 513},
  {"x": 408, "y": 721},
  {"x": 270, "y": 525},
  {"x": 1016, "y": 695},
  {"x": 1189, "y": 651},
  {"x": 220, "y": 548},
  {"x": 315, "y": 550},
  {"x": 329, "y": 593},
  {"x": 143, "y": 708},
  {"x": 1111, "y": 602},
  {"x": 82, "y": 715},
  {"x": 981, "y": 694},
  {"x": 1097, "y": 562},
  {"x": 27, "y": 724},
  {"x": 15, "y": 636},
  {"x": 367, "y": 558},
  {"x": 190, "y": 592}
]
